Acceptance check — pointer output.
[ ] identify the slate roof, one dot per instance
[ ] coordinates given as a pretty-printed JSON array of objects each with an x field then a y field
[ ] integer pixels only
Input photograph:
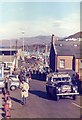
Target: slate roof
[{"x": 69, "y": 48}]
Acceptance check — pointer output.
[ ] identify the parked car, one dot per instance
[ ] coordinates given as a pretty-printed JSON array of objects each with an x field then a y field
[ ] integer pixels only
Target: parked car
[
  {"x": 15, "y": 77},
  {"x": 59, "y": 85},
  {"x": 13, "y": 82}
]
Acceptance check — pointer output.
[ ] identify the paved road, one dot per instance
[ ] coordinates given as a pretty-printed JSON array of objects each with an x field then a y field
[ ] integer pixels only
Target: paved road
[{"x": 39, "y": 106}]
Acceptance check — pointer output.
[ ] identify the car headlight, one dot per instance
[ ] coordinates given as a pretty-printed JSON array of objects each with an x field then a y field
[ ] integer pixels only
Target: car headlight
[
  {"x": 74, "y": 88},
  {"x": 58, "y": 88}
]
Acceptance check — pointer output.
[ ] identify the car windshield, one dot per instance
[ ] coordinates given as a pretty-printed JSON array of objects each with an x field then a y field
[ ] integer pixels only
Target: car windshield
[
  {"x": 65, "y": 78},
  {"x": 57, "y": 79},
  {"x": 15, "y": 81},
  {"x": 12, "y": 76}
]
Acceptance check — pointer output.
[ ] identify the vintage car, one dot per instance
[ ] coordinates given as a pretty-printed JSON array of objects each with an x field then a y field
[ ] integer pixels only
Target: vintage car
[
  {"x": 13, "y": 82},
  {"x": 59, "y": 85}
]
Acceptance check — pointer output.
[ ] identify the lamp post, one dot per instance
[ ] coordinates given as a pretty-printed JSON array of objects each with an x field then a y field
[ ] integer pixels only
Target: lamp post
[{"x": 23, "y": 40}]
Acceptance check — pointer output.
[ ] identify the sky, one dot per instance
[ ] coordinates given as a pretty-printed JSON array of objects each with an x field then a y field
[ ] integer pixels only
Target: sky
[{"x": 28, "y": 19}]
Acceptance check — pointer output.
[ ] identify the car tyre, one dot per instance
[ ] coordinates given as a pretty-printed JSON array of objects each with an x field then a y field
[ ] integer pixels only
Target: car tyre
[
  {"x": 56, "y": 98},
  {"x": 47, "y": 89},
  {"x": 74, "y": 97}
]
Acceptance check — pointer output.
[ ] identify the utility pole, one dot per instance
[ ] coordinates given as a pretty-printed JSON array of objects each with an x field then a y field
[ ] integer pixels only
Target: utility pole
[{"x": 16, "y": 45}]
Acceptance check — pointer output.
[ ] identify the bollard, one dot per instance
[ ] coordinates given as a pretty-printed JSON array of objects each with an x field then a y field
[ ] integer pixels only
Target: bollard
[
  {"x": 6, "y": 107},
  {"x": 7, "y": 114}
]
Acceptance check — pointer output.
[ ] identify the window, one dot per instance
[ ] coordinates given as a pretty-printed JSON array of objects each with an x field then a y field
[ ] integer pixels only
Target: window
[
  {"x": 62, "y": 63},
  {"x": 9, "y": 64}
]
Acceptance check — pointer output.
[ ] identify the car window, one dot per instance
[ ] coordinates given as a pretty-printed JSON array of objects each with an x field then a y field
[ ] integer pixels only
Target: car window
[
  {"x": 1, "y": 81},
  {"x": 12, "y": 76}
]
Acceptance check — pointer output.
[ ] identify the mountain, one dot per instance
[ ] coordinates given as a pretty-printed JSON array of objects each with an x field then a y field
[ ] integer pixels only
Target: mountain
[
  {"x": 27, "y": 41},
  {"x": 76, "y": 35},
  {"x": 38, "y": 40}
]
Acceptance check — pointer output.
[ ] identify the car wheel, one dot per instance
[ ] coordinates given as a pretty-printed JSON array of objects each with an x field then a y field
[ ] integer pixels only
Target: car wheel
[
  {"x": 56, "y": 98},
  {"x": 13, "y": 88},
  {"x": 60, "y": 97},
  {"x": 74, "y": 97},
  {"x": 47, "y": 89}
]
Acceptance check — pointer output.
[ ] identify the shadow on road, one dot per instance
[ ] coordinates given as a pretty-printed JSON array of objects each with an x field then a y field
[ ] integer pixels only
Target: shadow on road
[
  {"x": 41, "y": 94},
  {"x": 16, "y": 100}
]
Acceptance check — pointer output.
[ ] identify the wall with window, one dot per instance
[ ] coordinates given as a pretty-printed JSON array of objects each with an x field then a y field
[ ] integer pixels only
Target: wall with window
[
  {"x": 79, "y": 67},
  {"x": 64, "y": 62}
]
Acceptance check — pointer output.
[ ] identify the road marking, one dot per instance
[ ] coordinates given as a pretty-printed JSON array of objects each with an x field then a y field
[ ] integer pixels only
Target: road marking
[{"x": 77, "y": 105}]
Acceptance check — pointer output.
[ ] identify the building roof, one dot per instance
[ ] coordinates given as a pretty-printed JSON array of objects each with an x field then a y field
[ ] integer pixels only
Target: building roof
[
  {"x": 68, "y": 48},
  {"x": 6, "y": 58}
]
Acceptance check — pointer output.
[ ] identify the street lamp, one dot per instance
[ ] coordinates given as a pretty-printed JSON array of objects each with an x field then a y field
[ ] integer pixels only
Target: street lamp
[{"x": 23, "y": 40}]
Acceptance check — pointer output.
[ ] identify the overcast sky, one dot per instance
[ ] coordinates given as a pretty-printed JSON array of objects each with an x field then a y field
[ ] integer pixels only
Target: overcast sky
[{"x": 38, "y": 18}]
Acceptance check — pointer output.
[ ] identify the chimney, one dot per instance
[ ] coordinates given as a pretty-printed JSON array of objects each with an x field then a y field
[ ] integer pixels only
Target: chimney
[
  {"x": 53, "y": 41},
  {"x": 53, "y": 54}
]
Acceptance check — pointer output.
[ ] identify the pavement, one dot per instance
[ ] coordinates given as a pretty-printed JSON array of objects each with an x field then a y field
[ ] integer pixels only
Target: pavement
[
  {"x": 1, "y": 111},
  {"x": 40, "y": 106}
]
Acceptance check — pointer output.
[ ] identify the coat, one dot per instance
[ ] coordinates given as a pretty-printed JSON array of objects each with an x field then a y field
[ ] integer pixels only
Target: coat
[{"x": 24, "y": 89}]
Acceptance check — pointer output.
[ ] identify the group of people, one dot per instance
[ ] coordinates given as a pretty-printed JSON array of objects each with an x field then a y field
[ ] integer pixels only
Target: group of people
[
  {"x": 24, "y": 85},
  {"x": 7, "y": 99}
]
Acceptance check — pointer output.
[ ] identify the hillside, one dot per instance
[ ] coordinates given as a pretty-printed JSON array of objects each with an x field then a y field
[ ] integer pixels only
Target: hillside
[
  {"x": 76, "y": 35},
  {"x": 34, "y": 40}
]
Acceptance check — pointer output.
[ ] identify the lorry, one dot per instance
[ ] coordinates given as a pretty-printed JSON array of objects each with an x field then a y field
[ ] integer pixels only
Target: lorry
[
  {"x": 60, "y": 85},
  {"x": 1, "y": 77}
]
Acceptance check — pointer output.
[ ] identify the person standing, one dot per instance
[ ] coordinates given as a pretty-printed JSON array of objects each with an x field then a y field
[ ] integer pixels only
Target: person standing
[
  {"x": 6, "y": 83},
  {"x": 24, "y": 91}
]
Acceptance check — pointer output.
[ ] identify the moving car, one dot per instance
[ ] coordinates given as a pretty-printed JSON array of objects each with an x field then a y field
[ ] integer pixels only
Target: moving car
[{"x": 59, "y": 85}]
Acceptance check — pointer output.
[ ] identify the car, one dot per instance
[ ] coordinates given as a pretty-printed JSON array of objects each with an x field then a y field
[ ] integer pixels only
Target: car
[
  {"x": 15, "y": 77},
  {"x": 13, "y": 82},
  {"x": 60, "y": 85}
]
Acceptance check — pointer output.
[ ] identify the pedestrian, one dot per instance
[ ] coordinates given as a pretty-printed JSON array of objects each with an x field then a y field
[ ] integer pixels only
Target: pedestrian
[
  {"x": 6, "y": 83},
  {"x": 27, "y": 78},
  {"x": 9, "y": 102},
  {"x": 24, "y": 91},
  {"x": 77, "y": 76},
  {"x": 6, "y": 95}
]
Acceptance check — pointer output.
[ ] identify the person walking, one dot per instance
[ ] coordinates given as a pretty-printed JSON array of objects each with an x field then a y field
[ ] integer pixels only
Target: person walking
[{"x": 24, "y": 91}]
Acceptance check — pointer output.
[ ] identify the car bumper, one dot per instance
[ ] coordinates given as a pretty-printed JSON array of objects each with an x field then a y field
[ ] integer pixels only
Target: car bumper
[{"x": 61, "y": 94}]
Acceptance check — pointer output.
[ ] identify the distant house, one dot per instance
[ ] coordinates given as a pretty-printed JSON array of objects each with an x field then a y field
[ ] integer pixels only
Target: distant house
[
  {"x": 65, "y": 56},
  {"x": 7, "y": 57}
]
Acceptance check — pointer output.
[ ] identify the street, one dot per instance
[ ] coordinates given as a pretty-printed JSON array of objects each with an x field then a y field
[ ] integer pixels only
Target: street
[{"x": 40, "y": 106}]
